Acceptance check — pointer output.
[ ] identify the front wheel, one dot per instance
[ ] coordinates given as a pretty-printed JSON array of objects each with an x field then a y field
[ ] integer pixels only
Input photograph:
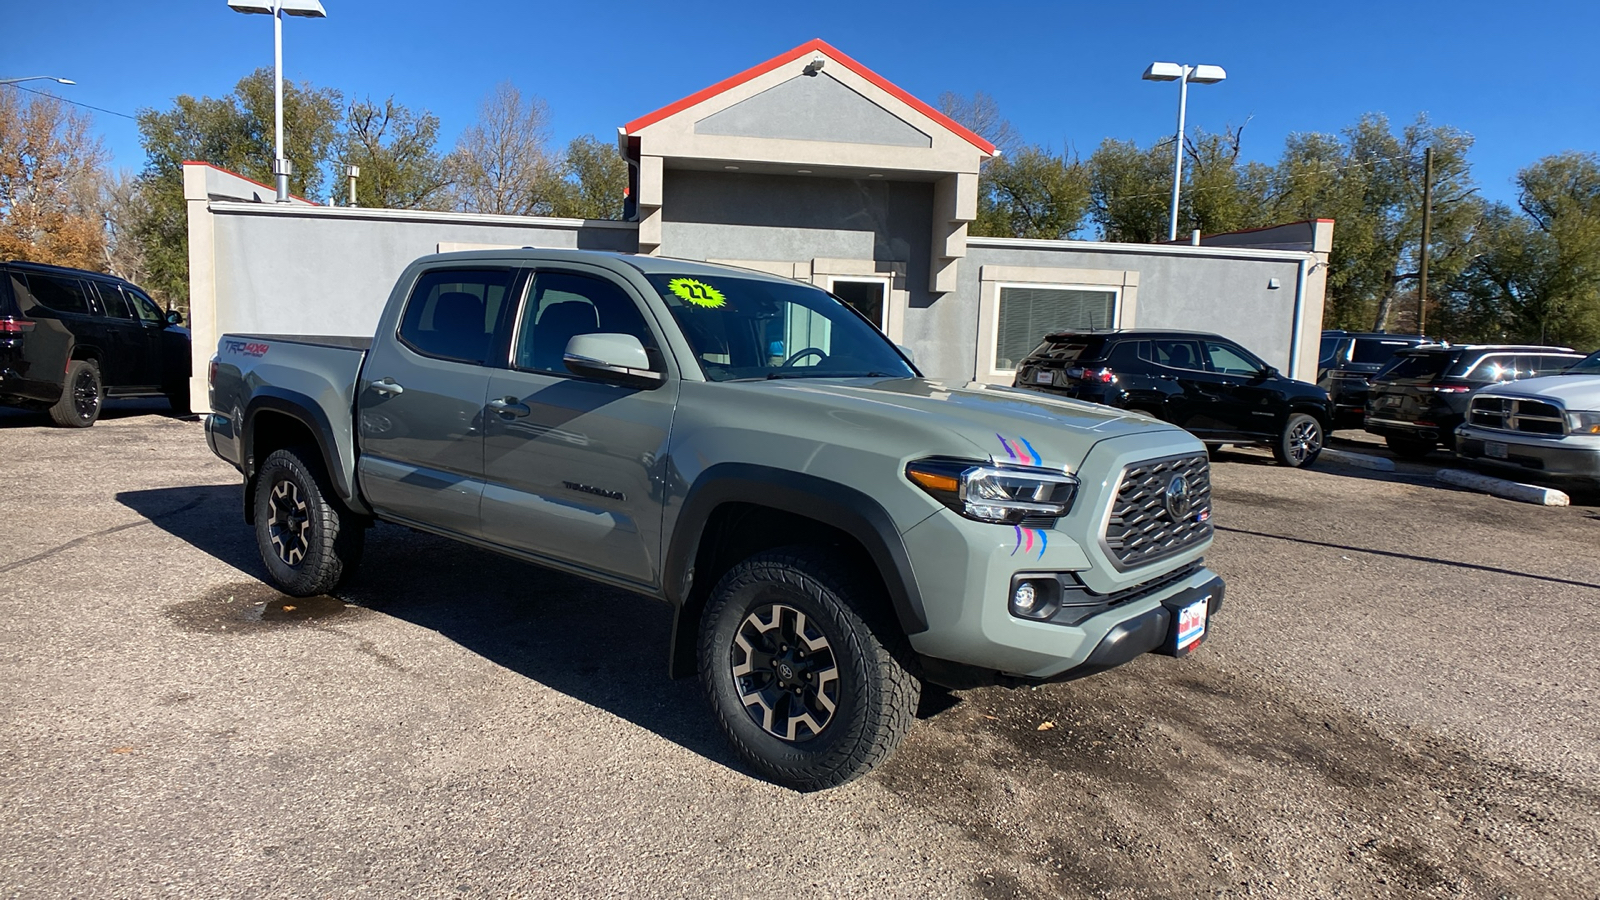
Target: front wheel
[
  {"x": 308, "y": 543},
  {"x": 1300, "y": 443},
  {"x": 808, "y": 693}
]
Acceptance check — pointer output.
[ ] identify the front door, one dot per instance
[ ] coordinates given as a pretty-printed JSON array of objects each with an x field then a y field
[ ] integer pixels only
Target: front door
[
  {"x": 573, "y": 466},
  {"x": 421, "y": 401},
  {"x": 1248, "y": 401}
]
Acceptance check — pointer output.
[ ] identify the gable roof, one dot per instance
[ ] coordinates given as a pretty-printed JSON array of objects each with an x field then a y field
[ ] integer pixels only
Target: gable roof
[{"x": 816, "y": 45}]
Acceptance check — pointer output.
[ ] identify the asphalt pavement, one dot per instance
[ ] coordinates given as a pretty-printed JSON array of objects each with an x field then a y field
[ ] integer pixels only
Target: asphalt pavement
[{"x": 1400, "y": 699}]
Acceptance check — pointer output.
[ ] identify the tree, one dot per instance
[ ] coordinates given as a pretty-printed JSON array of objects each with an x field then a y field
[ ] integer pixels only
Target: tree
[
  {"x": 50, "y": 168},
  {"x": 980, "y": 114},
  {"x": 234, "y": 132},
  {"x": 595, "y": 178},
  {"x": 1535, "y": 275},
  {"x": 1126, "y": 190},
  {"x": 395, "y": 148},
  {"x": 1032, "y": 194},
  {"x": 502, "y": 163},
  {"x": 123, "y": 203}
]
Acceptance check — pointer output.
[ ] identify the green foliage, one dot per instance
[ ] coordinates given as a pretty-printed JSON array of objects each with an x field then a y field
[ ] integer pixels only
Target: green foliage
[
  {"x": 1129, "y": 188},
  {"x": 395, "y": 149},
  {"x": 594, "y": 179},
  {"x": 234, "y": 132},
  {"x": 1032, "y": 194}
]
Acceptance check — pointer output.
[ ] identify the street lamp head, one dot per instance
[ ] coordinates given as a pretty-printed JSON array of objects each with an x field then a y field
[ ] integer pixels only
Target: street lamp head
[
  {"x": 65, "y": 81},
  {"x": 1207, "y": 74},
  {"x": 1163, "y": 71},
  {"x": 310, "y": 9}
]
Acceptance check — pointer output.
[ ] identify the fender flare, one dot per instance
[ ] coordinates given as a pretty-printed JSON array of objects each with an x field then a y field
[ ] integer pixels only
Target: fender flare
[
  {"x": 304, "y": 410},
  {"x": 828, "y": 502}
]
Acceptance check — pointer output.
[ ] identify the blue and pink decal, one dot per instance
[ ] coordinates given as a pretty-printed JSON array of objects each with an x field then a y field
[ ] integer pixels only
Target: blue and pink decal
[
  {"x": 1030, "y": 536},
  {"x": 1019, "y": 450}
]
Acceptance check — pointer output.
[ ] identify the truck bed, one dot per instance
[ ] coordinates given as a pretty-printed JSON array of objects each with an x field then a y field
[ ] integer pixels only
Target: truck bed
[{"x": 340, "y": 341}]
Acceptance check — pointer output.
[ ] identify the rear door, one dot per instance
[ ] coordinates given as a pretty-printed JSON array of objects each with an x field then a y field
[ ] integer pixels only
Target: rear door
[
  {"x": 135, "y": 347},
  {"x": 572, "y": 466},
  {"x": 1201, "y": 404},
  {"x": 68, "y": 297},
  {"x": 423, "y": 388}
]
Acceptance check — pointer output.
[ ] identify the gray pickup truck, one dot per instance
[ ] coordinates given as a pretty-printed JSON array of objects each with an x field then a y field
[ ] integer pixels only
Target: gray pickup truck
[{"x": 832, "y": 529}]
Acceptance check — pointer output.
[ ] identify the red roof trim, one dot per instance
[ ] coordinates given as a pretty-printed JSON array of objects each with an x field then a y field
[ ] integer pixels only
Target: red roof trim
[
  {"x": 201, "y": 162},
  {"x": 812, "y": 46}
]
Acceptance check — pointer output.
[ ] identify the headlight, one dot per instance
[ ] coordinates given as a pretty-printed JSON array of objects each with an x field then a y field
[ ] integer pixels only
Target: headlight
[
  {"x": 1583, "y": 422},
  {"x": 986, "y": 492}
]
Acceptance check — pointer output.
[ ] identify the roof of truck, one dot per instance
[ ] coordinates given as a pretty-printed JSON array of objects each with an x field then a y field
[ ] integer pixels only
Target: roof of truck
[{"x": 649, "y": 265}]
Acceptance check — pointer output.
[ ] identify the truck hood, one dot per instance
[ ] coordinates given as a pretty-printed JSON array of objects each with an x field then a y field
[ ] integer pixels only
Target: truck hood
[
  {"x": 1002, "y": 423},
  {"x": 1572, "y": 391}
]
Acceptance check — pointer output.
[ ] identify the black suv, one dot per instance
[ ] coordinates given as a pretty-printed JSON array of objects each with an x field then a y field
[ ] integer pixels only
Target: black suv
[
  {"x": 70, "y": 338},
  {"x": 1205, "y": 383},
  {"x": 1347, "y": 363},
  {"x": 1419, "y": 398}
]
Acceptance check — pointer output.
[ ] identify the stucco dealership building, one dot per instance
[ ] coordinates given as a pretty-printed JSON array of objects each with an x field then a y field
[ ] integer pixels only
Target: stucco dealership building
[{"x": 809, "y": 165}]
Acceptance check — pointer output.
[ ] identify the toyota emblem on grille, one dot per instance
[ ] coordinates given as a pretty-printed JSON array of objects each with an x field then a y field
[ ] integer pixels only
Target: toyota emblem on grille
[{"x": 1179, "y": 498}]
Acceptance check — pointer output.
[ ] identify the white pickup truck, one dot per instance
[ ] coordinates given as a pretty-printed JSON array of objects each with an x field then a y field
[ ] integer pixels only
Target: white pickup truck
[{"x": 1546, "y": 428}]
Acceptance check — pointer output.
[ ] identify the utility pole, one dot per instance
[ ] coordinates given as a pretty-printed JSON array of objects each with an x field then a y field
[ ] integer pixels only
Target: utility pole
[{"x": 1427, "y": 235}]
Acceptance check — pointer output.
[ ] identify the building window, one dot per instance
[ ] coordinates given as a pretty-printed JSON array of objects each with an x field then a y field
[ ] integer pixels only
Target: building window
[{"x": 1026, "y": 313}]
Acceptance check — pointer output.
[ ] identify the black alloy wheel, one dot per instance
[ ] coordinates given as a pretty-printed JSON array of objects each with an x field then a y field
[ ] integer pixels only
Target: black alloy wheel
[{"x": 81, "y": 396}]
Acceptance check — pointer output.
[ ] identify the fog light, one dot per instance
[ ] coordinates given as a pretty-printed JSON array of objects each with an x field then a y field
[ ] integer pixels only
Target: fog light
[
  {"x": 1035, "y": 598},
  {"x": 1024, "y": 598}
]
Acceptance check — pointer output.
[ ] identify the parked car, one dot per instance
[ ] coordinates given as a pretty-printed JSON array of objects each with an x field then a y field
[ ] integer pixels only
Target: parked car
[
  {"x": 1347, "y": 363},
  {"x": 1204, "y": 383},
  {"x": 830, "y": 528},
  {"x": 1417, "y": 401},
  {"x": 70, "y": 338},
  {"x": 1545, "y": 428}
]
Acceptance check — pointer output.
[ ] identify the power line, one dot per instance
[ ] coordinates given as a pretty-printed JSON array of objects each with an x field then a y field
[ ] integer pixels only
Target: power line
[{"x": 110, "y": 112}]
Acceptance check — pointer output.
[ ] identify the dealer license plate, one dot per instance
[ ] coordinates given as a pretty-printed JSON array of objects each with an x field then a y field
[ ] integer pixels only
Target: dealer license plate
[
  {"x": 1041, "y": 378},
  {"x": 1192, "y": 623},
  {"x": 1494, "y": 449}
]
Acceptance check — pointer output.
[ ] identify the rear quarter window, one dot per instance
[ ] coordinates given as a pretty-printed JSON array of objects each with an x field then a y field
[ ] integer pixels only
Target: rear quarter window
[
  {"x": 1377, "y": 350},
  {"x": 65, "y": 295},
  {"x": 1418, "y": 365}
]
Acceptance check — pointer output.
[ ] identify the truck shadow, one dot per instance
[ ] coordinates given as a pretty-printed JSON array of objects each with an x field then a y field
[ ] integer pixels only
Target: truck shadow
[{"x": 598, "y": 645}]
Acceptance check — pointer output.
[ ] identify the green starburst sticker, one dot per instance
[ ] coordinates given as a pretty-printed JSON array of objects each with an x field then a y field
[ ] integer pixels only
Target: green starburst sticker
[{"x": 697, "y": 292}]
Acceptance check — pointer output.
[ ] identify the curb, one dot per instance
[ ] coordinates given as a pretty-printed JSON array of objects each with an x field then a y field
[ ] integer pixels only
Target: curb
[
  {"x": 1359, "y": 460},
  {"x": 1499, "y": 487}
]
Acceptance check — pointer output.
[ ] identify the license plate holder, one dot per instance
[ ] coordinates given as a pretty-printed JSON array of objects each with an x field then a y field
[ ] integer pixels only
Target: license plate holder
[
  {"x": 1041, "y": 378},
  {"x": 1189, "y": 618},
  {"x": 1496, "y": 449}
]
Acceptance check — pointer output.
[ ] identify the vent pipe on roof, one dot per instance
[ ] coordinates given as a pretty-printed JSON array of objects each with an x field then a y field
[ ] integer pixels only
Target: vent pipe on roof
[{"x": 1194, "y": 238}]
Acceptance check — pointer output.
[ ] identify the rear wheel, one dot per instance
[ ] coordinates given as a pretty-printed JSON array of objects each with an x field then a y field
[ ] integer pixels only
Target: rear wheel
[
  {"x": 82, "y": 396},
  {"x": 1301, "y": 441},
  {"x": 1410, "y": 448},
  {"x": 308, "y": 543},
  {"x": 809, "y": 693}
]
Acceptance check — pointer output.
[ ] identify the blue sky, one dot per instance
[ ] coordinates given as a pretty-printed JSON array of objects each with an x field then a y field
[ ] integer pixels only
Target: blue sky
[{"x": 1512, "y": 74}]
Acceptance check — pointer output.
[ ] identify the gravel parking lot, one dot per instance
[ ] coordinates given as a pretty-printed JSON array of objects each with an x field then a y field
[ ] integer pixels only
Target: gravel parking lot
[{"x": 1400, "y": 699}]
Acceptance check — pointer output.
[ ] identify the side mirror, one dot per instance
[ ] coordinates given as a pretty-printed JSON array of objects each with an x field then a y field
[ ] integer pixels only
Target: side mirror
[
  {"x": 617, "y": 358},
  {"x": 1269, "y": 372},
  {"x": 911, "y": 357},
  {"x": 174, "y": 317}
]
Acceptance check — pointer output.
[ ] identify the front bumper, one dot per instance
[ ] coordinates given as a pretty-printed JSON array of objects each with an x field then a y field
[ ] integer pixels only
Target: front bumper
[{"x": 1563, "y": 457}]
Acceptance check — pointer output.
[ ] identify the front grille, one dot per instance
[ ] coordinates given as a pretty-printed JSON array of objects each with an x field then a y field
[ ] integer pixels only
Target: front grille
[
  {"x": 1141, "y": 530},
  {"x": 1517, "y": 414}
]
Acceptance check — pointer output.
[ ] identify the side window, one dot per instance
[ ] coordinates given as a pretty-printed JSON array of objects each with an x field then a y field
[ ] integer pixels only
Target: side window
[
  {"x": 1127, "y": 354},
  {"x": 452, "y": 313},
  {"x": 1329, "y": 352},
  {"x": 1495, "y": 368},
  {"x": 112, "y": 301},
  {"x": 1230, "y": 360},
  {"x": 66, "y": 295},
  {"x": 1545, "y": 364},
  {"x": 563, "y": 305},
  {"x": 145, "y": 308},
  {"x": 1177, "y": 354}
]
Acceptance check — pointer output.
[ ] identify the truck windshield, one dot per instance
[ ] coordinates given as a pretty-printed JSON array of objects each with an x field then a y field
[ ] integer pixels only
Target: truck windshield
[
  {"x": 747, "y": 328},
  {"x": 1589, "y": 365}
]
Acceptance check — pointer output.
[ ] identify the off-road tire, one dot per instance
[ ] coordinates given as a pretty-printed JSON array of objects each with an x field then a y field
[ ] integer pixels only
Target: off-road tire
[
  {"x": 82, "y": 396},
  {"x": 1410, "y": 448},
  {"x": 1300, "y": 442},
  {"x": 309, "y": 543},
  {"x": 875, "y": 694}
]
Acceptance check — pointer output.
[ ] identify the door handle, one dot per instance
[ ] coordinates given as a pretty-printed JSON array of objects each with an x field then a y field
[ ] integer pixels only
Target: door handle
[
  {"x": 388, "y": 386},
  {"x": 508, "y": 406}
]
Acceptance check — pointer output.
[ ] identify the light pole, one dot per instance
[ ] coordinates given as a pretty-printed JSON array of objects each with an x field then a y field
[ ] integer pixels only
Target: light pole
[
  {"x": 1165, "y": 71},
  {"x": 277, "y": 9},
  {"x": 37, "y": 78}
]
